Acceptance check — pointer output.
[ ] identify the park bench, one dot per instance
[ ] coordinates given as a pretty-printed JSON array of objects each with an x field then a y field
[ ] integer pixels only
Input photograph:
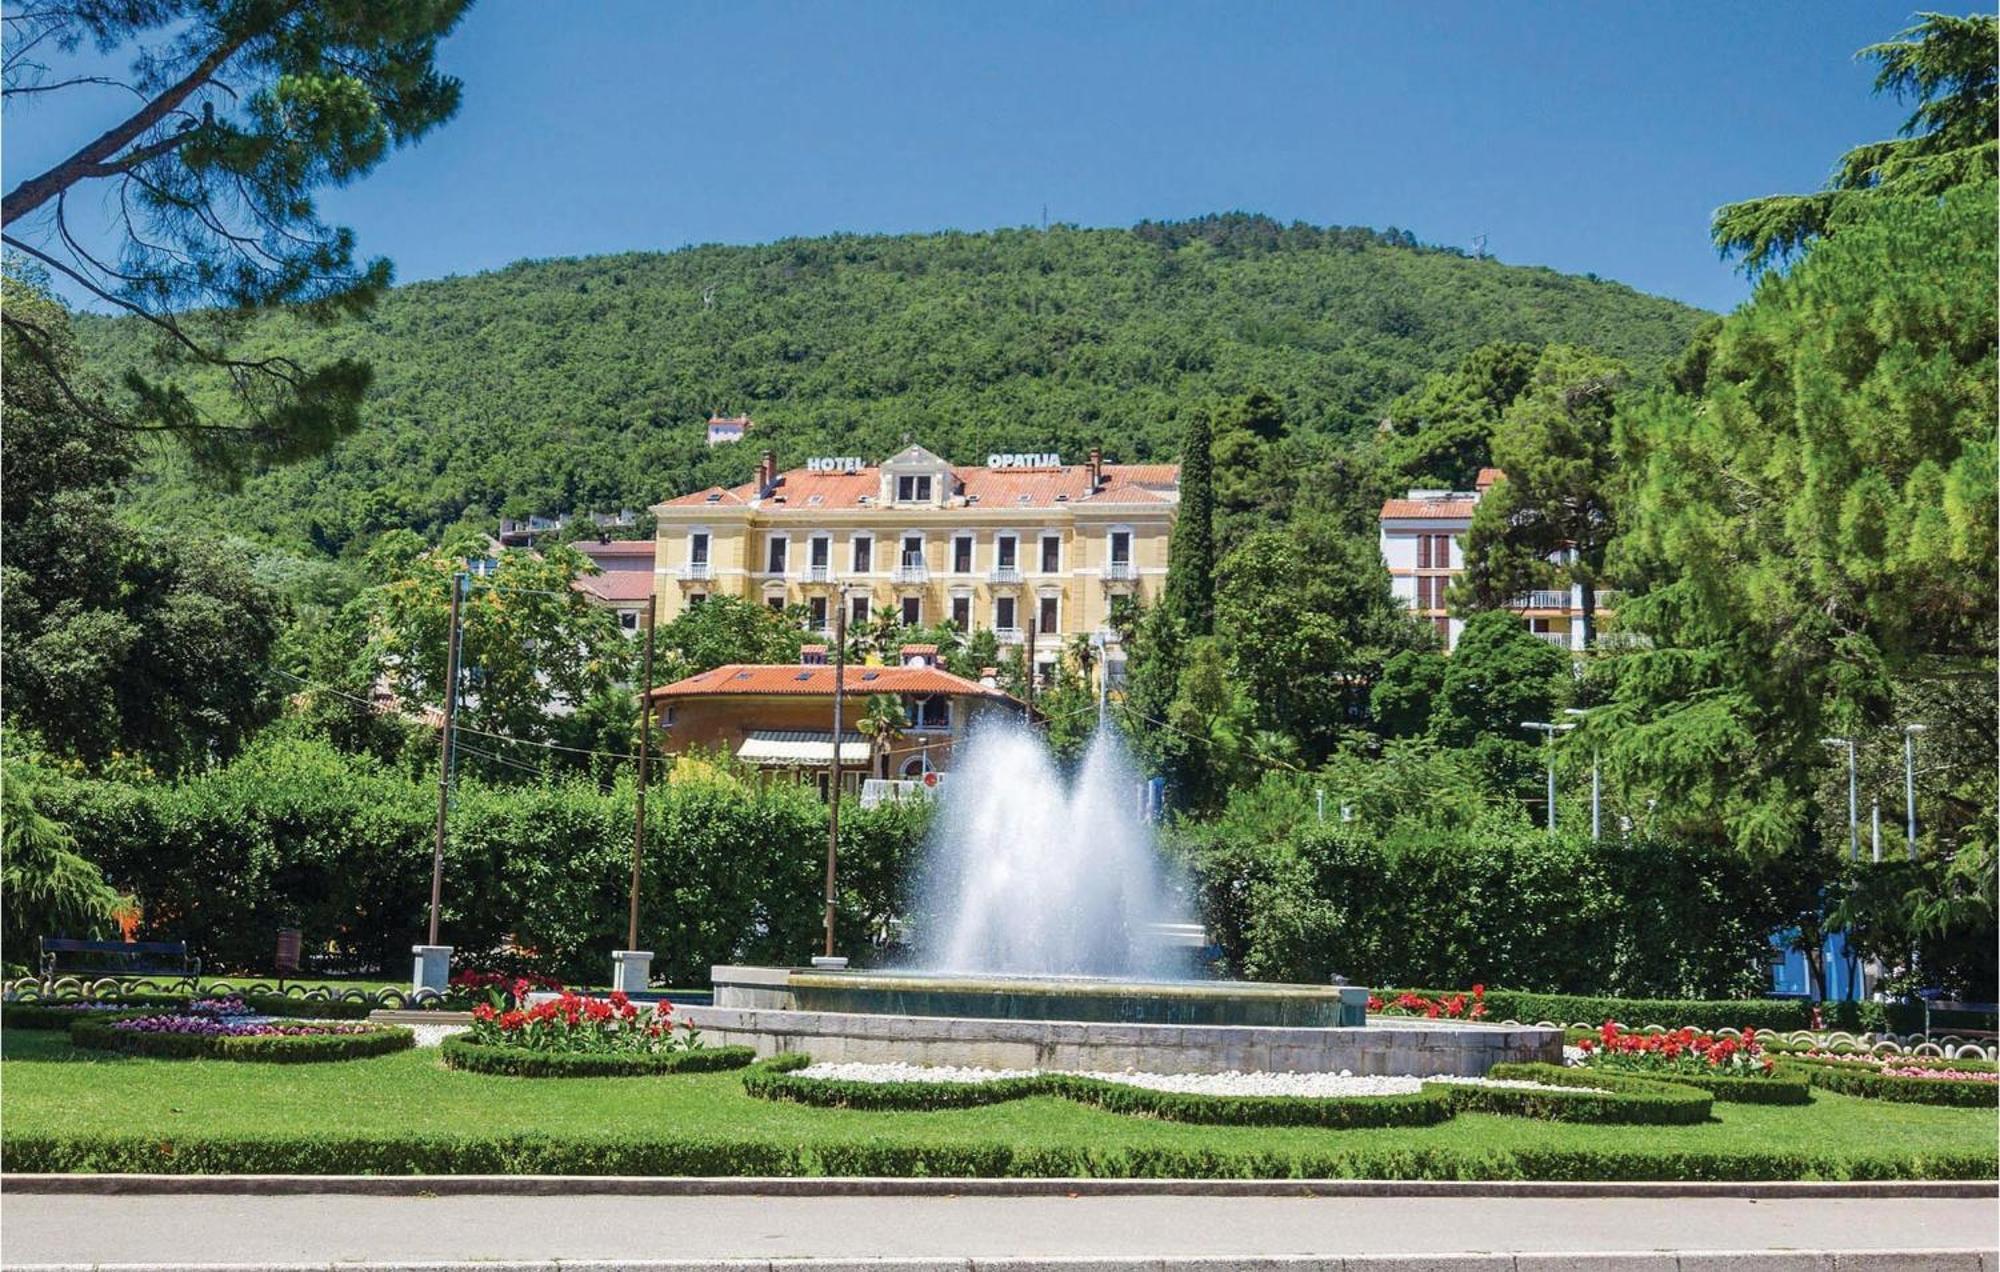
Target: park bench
[{"x": 61, "y": 954}]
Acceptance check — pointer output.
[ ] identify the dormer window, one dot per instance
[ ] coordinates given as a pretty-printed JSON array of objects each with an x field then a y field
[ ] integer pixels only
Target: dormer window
[{"x": 913, "y": 488}]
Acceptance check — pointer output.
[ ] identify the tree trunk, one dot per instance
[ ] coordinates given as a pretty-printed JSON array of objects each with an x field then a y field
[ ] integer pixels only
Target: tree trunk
[{"x": 1587, "y": 594}]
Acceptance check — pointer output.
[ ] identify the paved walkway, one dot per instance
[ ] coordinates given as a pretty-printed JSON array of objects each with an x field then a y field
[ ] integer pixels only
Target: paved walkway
[{"x": 324, "y": 1229}]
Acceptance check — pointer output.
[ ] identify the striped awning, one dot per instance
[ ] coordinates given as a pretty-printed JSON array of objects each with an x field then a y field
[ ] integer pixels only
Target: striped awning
[{"x": 780, "y": 747}]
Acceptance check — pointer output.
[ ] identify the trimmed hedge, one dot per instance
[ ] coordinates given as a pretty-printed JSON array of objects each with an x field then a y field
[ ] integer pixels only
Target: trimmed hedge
[
  {"x": 307, "y": 1008},
  {"x": 621, "y": 1154},
  {"x": 38, "y": 1013},
  {"x": 47, "y": 1016},
  {"x": 1604, "y": 1097},
  {"x": 1861, "y": 1080},
  {"x": 268, "y": 1048},
  {"x": 1778, "y": 1088},
  {"x": 774, "y": 1080},
  {"x": 1635, "y": 1013},
  {"x": 461, "y": 1052}
]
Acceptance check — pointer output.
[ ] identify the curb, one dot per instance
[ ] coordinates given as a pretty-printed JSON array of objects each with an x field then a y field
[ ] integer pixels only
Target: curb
[
  {"x": 108, "y": 1185},
  {"x": 1564, "y": 1261}
]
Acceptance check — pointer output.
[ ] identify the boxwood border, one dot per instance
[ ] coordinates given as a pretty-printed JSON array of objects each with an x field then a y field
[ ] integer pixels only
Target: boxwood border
[
  {"x": 1600, "y": 1097},
  {"x": 1860, "y": 1080},
  {"x": 458, "y": 1051},
  {"x": 380, "y": 1040},
  {"x": 48, "y": 1015},
  {"x": 1780, "y": 1087}
]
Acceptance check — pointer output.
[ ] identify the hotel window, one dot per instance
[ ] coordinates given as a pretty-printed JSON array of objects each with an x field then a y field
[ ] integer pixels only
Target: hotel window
[
  {"x": 1443, "y": 626},
  {"x": 1121, "y": 548},
  {"x": 961, "y": 554},
  {"x": 864, "y": 554},
  {"x": 913, "y": 611},
  {"x": 857, "y": 610},
  {"x": 816, "y": 609},
  {"x": 961, "y": 613},
  {"x": 1006, "y": 552},
  {"x": 629, "y": 620},
  {"x": 913, "y": 549},
  {"x": 820, "y": 551},
  {"x": 1430, "y": 591},
  {"x": 1051, "y": 553},
  {"x": 1433, "y": 552},
  {"x": 776, "y": 601},
  {"x": 698, "y": 548},
  {"x": 696, "y": 598},
  {"x": 775, "y": 561},
  {"x": 913, "y": 489},
  {"x": 933, "y": 711},
  {"x": 1048, "y": 621},
  {"x": 1003, "y": 613}
]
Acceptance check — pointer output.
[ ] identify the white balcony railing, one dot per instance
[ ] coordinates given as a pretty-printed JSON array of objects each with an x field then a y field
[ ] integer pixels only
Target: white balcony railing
[
  {"x": 1007, "y": 635},
  {"x": 1543, "y": 598},
  {"x": 1120, "y": 571},
  {"x": 1004, "y": 574},
  {"x": 698, "y": 570},
  {"x": 1559, "y": 639},
  {"x": 913, "y": 570},
  {"x": 819, "y": 574}
]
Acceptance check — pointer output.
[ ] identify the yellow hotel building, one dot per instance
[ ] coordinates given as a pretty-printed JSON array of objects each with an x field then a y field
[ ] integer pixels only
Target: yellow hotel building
[{"x": 1019, "y": 540}]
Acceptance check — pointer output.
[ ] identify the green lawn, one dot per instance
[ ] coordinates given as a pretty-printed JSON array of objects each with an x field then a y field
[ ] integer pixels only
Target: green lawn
[{"x": 355, "y": 1114}]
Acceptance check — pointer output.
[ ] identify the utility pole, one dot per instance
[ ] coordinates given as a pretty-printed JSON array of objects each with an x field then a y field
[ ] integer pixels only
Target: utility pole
[
  {"x": 1596, "y": 781},
  {"x": 833, "y": 780},
  {"x": 1910, "y": 732},
  {"x": 446, "y": 737},
  {"x": 1028, "y": 666},
  {"x": 645, "y": 766},
  {"x": 1853, "y": 798},
  {"x": 1548, "y": 732},
  {"x": 1875, "y": 830}
]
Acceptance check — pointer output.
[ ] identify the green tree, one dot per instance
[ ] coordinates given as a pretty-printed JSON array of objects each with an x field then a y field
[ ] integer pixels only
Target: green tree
[
  {"x": 1499, "y": 677},
  {"x": 532, "y": 647},
  {"x": 1442, "y": 431},
  {"x": 1400, "y": 702},
  {"x": 883, "y": 722},
  {"x": 120, "y": 642},
  {"x": 50, "y": 889},
  {"x": 724, "y": 630},
  {"x": 1255, "y": 468},
  {"x": 1190, "y": 591},
  {"x": 1946, "y": 66},
  {"x": 244, "y": 110},
  {"x": 1215, "y": 724},
  {"x": 1552, "y": 518}
]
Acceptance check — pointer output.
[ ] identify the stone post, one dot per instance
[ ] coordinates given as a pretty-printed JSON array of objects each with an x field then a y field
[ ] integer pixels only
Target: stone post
[
  {"x": 432, "y": 969},
  {"x": 631, "y": 970}
]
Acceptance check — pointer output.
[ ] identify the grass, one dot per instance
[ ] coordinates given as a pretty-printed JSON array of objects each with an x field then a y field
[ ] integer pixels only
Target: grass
[{"x": 48, "y": 1088}]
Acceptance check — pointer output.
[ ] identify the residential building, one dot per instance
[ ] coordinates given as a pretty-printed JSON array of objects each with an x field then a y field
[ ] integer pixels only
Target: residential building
[
  {"x": 1021, "y": 542},
  {"x": 723, "y": 430},
  {"x": 779, "y": 717},
  {"x": 624, "y": 581},
  {"x": 1423, "y": 537}
]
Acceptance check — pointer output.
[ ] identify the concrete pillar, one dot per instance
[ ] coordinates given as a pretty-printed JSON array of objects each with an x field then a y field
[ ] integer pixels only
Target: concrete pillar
[
  {"x": 631, "y": 969},
  {"x": 432, "y": 969}
]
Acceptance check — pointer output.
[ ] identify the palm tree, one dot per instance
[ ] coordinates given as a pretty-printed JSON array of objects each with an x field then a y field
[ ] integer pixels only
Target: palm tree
[{"x": 883, "y": 723}]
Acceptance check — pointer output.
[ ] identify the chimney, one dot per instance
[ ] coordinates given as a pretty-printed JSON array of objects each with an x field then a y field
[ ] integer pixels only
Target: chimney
[
  {"x": 812, "y": 656},
  {"x": 1096, "y": 468},
  {"x": 919, "y": 655},
  {"x": 767, "y": 473},
  {"x": 990, "y": 677}
]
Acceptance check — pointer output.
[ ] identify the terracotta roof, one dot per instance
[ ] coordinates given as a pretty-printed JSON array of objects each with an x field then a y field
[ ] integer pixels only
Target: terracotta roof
[
  {"x": 1428, "y": 509},
  {"x": 1487, "y": 476},
  {"x": 802, "y": 490},
  {"x": 618, "y": 585},
  {"x": 616, "y": 548},
  {"x": 797, "y": 680}
]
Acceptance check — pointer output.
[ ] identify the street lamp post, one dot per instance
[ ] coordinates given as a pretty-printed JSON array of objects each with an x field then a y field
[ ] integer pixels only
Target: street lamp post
[
  {"x": 1910, "y": 732},
  {"x": 1596, "y": 781},
  {"x": 1853, "y": 798},
  {"x": 1548, "y": 732}
]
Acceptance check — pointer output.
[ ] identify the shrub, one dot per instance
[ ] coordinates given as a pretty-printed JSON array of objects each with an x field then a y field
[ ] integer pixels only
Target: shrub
[
  {"x": 1597, "y": 1097},
  {"x": 307, "y": 1008},
  {"x": 461, "y": 1051},
  {"x": 573, "y": 1024},
  {"x": 1762, "y": 1014},
  {"x": 352, "y": 1043},
  {"x": 1859, "y": 1078},
  {"x": 775, "y": 1079}
]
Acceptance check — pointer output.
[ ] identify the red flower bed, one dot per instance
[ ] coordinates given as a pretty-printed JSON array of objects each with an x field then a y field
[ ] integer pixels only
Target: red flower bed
[
  {"x": 515, "y": 986},
  {"x": 1444, "y": 1007},
  {"x": 572, "y": 1023},
  {"x": 1677, "y": 1051}
]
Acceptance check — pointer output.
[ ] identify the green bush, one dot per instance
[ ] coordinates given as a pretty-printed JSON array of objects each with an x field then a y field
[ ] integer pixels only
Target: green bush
[
  {"x": 1780, "y": 1087},
  {"x": 1635, "y": 1014},
  {"x": 774, "y": 1080},
  {"x": 1860, "y": 1080},
  {"x": 1598, "y": 1097},
  {"x": 461, "y": 1052},
  {"x": 268, "y": 1048},
  {"x": 307, "y": 1008},
  {"x": 196, "y": 1153},
  {"x": 40, "y": 1016}
]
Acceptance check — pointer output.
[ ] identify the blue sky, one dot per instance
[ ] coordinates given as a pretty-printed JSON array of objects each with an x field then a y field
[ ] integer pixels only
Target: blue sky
[{"x": 1586, "y": 137}]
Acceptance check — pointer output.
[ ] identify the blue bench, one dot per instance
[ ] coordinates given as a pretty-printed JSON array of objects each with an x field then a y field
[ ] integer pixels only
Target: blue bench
[{"x": 62, "y": 954}]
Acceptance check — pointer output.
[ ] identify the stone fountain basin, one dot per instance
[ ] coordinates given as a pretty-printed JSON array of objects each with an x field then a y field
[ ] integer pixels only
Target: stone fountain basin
[{"x": 1079, "y": 1023}]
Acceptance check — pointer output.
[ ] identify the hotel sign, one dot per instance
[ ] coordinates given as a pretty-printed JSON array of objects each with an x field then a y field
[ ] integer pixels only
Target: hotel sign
[
  {"x": 834, "y": 464},
  {"x": 1047, "y": 460}
]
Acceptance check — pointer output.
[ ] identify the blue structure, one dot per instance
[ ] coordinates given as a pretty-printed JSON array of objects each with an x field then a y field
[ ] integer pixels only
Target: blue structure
[{"x": 1791, "y": 979}]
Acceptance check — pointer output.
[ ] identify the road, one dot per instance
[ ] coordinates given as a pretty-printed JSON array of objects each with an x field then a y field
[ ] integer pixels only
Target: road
[{"x": 322, "y": 1229}]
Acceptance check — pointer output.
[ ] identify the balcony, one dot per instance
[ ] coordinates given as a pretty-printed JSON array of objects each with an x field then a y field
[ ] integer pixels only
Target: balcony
[
  {"x": 1007, "y": 635},
  {"x": 1120, "y": 572},
  {"x": 913, "y": 570},
  {"x": 1559, "y": 639},
  {"x": 1004, "y": 574},
  {"x": 820, "y": 574},
  {"x": 1542, "y": 598},
  {"x": 697, "y": 570}
]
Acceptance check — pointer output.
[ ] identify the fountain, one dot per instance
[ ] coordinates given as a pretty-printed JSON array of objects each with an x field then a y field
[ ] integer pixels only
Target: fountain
[{"x": 1049, "y": 937}]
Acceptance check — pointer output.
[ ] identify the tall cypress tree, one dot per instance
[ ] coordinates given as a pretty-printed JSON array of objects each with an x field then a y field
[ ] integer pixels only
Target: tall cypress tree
[{"x": 1190, "y": 595}]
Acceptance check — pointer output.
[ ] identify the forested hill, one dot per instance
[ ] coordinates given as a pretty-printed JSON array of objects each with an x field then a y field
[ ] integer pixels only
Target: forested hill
[{"x": 565, "y": 384}]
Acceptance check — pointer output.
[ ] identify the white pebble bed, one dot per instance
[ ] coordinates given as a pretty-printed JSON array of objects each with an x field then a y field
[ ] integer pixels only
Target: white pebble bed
[
  {"x": 432, "y": 1035},
  {"x": 1312, "y": 1085}
]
